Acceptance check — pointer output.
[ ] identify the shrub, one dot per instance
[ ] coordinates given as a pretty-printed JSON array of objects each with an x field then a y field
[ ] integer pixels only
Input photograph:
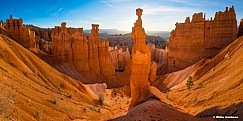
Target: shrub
[
  {"x": 36, "y": 72},
  {"x": 13, "y": 65},
  {"x": 62, "y": 85},
  {"x": 25, "y": 73},
  {"x": 200, "y": 85},
  {"x": 189, "y": 83},
  {"x": 101, "y": 99}
]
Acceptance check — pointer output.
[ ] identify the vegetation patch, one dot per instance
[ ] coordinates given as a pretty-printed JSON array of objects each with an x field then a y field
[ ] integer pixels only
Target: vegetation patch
[
  {"x": 189, "y": 83},
  {"x": 25, "y": 73}
]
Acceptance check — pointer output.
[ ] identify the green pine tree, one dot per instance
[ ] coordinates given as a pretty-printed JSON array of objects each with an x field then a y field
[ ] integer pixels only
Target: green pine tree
[{"x": 189, "y": 83}]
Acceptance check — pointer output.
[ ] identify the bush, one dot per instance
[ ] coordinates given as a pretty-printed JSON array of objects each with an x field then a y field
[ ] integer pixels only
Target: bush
[
  {"x": 62, "y": 85},
  {"x": 200, "y": 85},
  {"x": 25, "y": 73},
  {"x": 36, "y": 72},
  {"x": 189, "y": 83},
  {"x": 101, "y": 99},
  {"x": 13, "y": 65}
]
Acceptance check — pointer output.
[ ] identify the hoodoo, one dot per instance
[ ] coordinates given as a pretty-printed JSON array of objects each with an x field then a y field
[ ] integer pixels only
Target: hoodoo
[
  {"x": 71, "y": 46},
  {"x": 141, "y": 57}
]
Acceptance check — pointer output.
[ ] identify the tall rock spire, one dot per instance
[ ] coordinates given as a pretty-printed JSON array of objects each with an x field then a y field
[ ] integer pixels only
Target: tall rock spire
[{"x": 141, "y": 57}]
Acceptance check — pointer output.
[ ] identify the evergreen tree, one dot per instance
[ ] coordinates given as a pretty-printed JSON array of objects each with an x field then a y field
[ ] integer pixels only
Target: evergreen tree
[{"x": 189, "y": 83}]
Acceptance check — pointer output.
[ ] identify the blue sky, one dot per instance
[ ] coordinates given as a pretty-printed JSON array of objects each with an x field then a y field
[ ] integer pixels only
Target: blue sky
[{"x": 158, "y": 15}]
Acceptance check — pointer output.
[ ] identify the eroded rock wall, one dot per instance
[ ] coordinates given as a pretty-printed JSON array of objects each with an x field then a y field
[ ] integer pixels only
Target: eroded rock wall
[
  {"x": 80, "y": 50},
  {"x": 21, "y": 34},
  {"x": 43, "y": 33},
  {"x": 200, "y": 38},
  {"x": 71, "y": 45},
  {"x": 106, "y": 66},
  {"x": 240, "y": 30},
  {"x": 42, "y": 38},
  {"x": 93, "y": 42},
  {"x": 160, "y": 57},
  {"x": 120, "y": 58},
  {"x": 61, "y": 43}
]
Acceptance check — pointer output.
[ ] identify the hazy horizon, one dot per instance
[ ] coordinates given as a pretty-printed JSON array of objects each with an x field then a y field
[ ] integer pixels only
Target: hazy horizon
[{"x": 158, "y": 15}]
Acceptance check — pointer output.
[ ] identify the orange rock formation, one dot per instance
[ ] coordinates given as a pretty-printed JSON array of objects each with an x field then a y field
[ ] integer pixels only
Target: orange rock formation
[
  {"x": 43, "y": 33},
  {"x": 70, "y": 45},
  {"x": 106, "y": 66},
  {"x": 42, "y": 38},
  {"x": 20, "y": 33},
  {"x": 199, "y": 38},
  {"x": 140, "y": 67},
  {"x": 160, "y": 57},
  {"x": 61, "y": 43},
  {"x": 240, "y": 31},
  {"x": 153, "y": 72},
  {"x": 80, "y": 50},
  {"x": 93, "y": 49},
  {"x": 1, "y": 24},
  {"x": 120, "y": 58}
]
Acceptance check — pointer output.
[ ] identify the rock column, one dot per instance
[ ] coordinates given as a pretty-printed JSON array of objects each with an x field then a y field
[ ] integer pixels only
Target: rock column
[{"x": 140, "y": 67}]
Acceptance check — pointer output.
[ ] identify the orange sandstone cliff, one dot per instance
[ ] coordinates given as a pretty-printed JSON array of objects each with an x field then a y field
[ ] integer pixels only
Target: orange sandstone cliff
[
  {"x": 42, "y": 38},
  {"x": 120, "y": 58},
  {"x": 200, "y": 38},
  {"x": 160, "y": 57},
  {"x": 70, "y": 45},
  {"x": 61, "y": 43},
  {"x": 20, "y": 33},
  {"x": 99, "y": 57}
]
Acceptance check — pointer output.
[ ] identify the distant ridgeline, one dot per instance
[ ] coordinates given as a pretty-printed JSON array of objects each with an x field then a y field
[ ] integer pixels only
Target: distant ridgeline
[{"x": 199, "y": 38}]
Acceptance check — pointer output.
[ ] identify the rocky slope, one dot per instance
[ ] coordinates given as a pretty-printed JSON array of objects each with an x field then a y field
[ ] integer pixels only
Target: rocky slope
[
  {"x": 30, "y": 89},
  {"x": 217, "y": 88}
]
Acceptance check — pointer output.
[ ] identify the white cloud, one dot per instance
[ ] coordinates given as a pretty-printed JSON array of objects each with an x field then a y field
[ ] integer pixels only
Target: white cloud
[
  {"x": 109, "y": 5},
  {"x": 164, "y": 9},
  {"x": 119, "y": 1},
  {"x": 57, "y": 12},
  {"x": 177, "y": 1}
]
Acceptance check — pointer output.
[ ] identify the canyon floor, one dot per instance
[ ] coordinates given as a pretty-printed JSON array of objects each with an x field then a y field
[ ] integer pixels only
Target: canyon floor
[{"x": 34, "y": 89}]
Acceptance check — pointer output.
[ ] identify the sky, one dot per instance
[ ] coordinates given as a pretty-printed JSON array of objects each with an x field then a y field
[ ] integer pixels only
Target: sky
[{"x": 158, "y": 15}]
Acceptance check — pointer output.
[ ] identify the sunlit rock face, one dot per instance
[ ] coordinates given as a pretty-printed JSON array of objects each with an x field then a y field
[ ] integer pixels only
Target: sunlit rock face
[
  {"x": 71, "y": 46},
  {"x": 160, "y": 57},
  {"x": 120, "y": 58},
  {"x": 21, "y": 34},
  {"x": 93, "y": 49},
  {"x": 200, "y": 38},
  {"x": 42, "y": 38},
  {"x": 140, "y": 67}
]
